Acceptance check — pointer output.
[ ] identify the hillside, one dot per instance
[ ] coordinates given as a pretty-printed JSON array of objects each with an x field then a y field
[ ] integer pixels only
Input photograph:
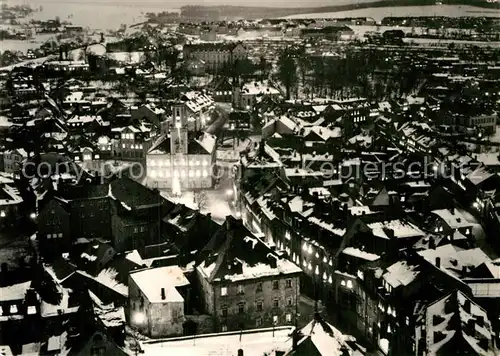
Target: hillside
[{"x": 254, "y": 12}]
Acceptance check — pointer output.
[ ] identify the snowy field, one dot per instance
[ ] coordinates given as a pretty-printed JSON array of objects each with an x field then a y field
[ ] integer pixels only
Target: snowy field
[
  {"x": 379, "y": 13},
  {"x": 253, "y": 344}
]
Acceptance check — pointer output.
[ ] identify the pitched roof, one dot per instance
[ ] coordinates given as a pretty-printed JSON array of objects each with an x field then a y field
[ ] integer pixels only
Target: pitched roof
[{"x": 234, "y": 253}]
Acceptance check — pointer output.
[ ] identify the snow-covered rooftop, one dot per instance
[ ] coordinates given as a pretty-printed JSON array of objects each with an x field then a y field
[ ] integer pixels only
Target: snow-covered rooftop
[{"x": 151, "y": 281}]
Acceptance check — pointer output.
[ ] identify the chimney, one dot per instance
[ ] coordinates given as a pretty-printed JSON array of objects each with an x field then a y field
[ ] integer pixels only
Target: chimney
[
  {"x": 438, "y": 262},
  {"x": 163, "y": 296},
  {"x": 438, "y": 336},
  {"x": 432, "y": 243},
  {"x": 273, "y": 262},
  {"x": 240, "y": 352},
  {"x": 480, "y": 320},
  {"x": 464, "y": 271},
  {"x": 209, "y": 216},
  {"x": 466, "y": 306},
  {"x": 471, "y": 327}
]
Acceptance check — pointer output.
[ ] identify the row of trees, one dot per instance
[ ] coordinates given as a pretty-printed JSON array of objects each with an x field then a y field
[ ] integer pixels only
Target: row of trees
[{"x": 364, "y": 72}]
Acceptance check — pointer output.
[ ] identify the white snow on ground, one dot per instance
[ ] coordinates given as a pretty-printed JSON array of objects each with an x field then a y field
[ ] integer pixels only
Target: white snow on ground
[{"x": 253, "y": 344}]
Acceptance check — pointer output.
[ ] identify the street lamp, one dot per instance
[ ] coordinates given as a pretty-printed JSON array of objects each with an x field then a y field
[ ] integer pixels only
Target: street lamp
[
  {"x": 33, "y": 216},
  {"x": 138, "y": 317}
]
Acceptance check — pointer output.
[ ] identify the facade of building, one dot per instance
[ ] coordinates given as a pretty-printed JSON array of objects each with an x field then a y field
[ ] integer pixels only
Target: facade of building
[
  {"x": 13, "y": 160},
  {"x": 156, "y": 303}
]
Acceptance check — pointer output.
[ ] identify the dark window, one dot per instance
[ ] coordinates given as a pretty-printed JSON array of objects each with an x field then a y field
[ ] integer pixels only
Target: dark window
[
  {"x": 289, "y": 283},
  {"x": 276, "y": 285},
  {"x": 98, "y": 351},
  {"x": 241, "y": 308},
  {"x": 224, "y": 310},
  {"x": 260, "y": 306},
  {"x": 290, "y": 302},
  {"x": 259, "y": 287},
  {"x": 276, "y": 303}
]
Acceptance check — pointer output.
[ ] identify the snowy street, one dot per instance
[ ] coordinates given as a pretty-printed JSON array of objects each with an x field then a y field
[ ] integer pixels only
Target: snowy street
[{"x": 254, "y": 344}]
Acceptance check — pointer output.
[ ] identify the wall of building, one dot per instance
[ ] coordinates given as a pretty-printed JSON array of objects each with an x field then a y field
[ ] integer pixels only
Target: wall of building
[
  {"x": 250, "y": 316},
  {"x": 166, "y": 319},
  {"x": 194, "y": 171}
]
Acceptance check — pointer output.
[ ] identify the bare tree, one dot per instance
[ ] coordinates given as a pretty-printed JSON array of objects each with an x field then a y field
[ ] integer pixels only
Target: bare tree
[{"x": 201, "y": 200}]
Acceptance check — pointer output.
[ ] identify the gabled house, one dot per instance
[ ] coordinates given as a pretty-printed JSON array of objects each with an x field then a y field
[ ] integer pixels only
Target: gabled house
[{"x": 244, "y": 283}]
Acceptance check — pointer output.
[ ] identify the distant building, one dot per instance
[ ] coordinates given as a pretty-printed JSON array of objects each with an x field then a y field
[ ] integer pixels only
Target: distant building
[
  {"x": 247, "y": 95},
  {"x": 129, "y": 142},
  {"x": 244, "y": 283},
  {"x": 156, "y": 301},
  {"x": 215, "y": 55},
  {"x": 13, "y": 160}
]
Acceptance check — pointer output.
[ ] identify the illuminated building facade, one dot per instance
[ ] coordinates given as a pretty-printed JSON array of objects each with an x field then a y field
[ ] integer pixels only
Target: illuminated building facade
[{"x": 181, "y": 160}]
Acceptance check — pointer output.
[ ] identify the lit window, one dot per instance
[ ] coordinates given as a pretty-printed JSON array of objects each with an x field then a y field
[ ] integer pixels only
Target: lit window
[
  {"x": 304, "y": 263},
  {"x": 275, "y": 319},
  {"x": 13, "y": 309},
  {"x": 330, "y": 262},
  {"x": 224, "y": 328},
  {"x": 153, "y": 173},
  {"x": 324, "y": 259},
  {"x": 310, "y": 266},
  {"x": 288, "y": 317},
  {"x": 407, "y": 319},
  {"x": 310, "y": 250},
  {"x": 241, "y": 289},
  {"x": 287, "y": 235},
  {"x": 31, "y": 310},
  {"x": 317, "y": 255},
  {"x": 223, "y": 291},
  {"x": 361, "y": 275},
  {"x": 324, "y": 276},
  {"x": 304, "y": 246},
  {"x": 342, "y": 283},
  {"x": 97, "y": 157},
  {"x": 330, "y": 280},
  {"x": 205, "y": 173},
  {"x": 349, "y": 284}
]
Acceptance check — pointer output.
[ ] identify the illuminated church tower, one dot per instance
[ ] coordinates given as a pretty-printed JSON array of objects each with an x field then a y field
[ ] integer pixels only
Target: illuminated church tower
[{"x": 179, "y": 147}]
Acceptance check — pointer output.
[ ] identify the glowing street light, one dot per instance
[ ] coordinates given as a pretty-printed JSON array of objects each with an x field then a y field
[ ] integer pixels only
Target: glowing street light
[
  {"x": 139, "y": 318},
  {"x": 33, "y": 216},
  {"x": 2, "y": 214}
]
